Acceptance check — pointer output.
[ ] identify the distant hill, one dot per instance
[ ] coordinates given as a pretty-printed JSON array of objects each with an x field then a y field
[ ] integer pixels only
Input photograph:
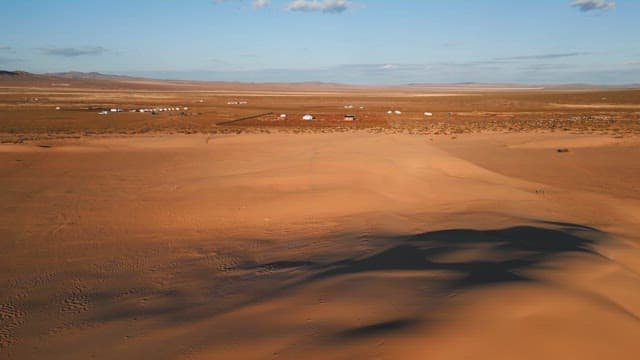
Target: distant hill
[
  {"x": 14, "y": 73},
  {"x": 78, "y": 75},
  {"x": 109, "y": 81},
  {"x": 472, "y": 85},
  {"x": 79, "y": 80}
]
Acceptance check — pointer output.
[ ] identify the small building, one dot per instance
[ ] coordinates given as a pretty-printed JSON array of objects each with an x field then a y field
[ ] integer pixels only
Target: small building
[
  {"x": 428, "y": 114},
  {"x": 283, "y": 116},
  {"x": 349, "y": 117},
  {"x": 308, "y": 117},
  {"x": 104, "y": 112},
  {"x": 397, "y": 112},
  {"x": 57, "y": 107}
]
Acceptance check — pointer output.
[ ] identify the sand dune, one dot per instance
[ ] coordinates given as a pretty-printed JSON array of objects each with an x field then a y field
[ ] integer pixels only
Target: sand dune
[{"x": 327, "y": 246}]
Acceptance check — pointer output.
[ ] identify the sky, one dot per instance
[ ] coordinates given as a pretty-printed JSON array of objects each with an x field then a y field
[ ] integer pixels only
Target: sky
[{"x": 373, "y": 42}]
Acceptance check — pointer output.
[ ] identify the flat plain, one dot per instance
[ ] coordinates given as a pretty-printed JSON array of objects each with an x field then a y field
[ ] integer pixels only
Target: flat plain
[{"x": 504, "y": 225}]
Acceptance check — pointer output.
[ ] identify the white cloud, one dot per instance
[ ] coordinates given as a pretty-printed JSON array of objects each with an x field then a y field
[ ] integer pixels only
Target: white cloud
[
  {"x": 9, "y": 61},
  {"x": 259, "y": 4},
  {"x": 590, "y": 5},
  {"x": 543, "y": 56},
  {"x": 389, "y": 67},
  {"x": 256, "y": 4},
  {"x": 325, "y": 6},
  {"x": 73, "y": 52}
]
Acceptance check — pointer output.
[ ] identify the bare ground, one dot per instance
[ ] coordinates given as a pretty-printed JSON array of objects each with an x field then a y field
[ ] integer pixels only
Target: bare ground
[{"x": 467, "y": 234}]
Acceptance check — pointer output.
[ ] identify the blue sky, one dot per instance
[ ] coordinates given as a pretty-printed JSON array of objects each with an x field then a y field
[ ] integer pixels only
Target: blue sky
[{"x": 354, "y": 41}]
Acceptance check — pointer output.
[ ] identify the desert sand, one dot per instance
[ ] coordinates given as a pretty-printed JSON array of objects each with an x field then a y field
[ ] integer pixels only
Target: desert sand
[
  {"x": 358, "y": 244},
  {"x": 321, "y": 245}
]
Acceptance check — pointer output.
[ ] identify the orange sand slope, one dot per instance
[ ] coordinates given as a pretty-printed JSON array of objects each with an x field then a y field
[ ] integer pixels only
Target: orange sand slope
[{"x": 329, "y": 246}]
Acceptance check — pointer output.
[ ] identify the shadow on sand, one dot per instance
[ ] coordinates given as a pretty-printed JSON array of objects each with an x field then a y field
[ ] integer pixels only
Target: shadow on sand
[
  {"x": 475, "y": 258},
  {"x": 469, "y": 258},
  {"x": 478, "y": 257}
]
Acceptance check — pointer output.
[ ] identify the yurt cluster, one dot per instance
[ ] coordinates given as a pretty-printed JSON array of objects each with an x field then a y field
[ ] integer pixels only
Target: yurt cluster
[
  {"x": 154, "y": 110},
  {"x": 351, "y": 117}
]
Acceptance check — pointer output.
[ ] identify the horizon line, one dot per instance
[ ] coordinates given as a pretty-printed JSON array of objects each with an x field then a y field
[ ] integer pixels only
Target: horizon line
[{"x": 114, "y": 75}]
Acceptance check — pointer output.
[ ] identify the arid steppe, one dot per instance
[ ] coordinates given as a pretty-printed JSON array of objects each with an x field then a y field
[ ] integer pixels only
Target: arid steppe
[{"x": 183, "y": 236}]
